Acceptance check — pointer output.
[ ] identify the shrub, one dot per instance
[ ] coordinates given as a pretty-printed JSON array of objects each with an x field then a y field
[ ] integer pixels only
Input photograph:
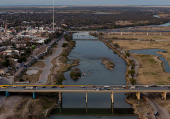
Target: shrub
[
  {"x": 65, "y": 45},
  {"x": 100, "y": 33},
  {"x": 132, "y": 72},
  {"x": 75, "y": 73},
  {"x": 128, "y": 54},
  {"x": 116, "y": 45},
  {"x": 133, "y": 81},
  {"x": 21, "y": 80}
]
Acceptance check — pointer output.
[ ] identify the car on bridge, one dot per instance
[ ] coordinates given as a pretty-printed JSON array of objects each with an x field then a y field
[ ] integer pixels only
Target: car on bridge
[
  {"x": 54, "y": 86},
  {"x": 152, "y": 85},
  {"x": 98, "y": 89},
  {"x": 61, "y": 86},
  {"x": 146, "y": 86},
  {"x": 3, "y": 87}
]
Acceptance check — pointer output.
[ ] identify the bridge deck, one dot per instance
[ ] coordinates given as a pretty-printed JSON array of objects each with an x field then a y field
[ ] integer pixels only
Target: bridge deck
[{"x": 90, "y": 88}]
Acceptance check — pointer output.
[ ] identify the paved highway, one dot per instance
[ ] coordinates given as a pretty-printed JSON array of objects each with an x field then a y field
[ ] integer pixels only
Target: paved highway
[{"x": 119, "y": 88}]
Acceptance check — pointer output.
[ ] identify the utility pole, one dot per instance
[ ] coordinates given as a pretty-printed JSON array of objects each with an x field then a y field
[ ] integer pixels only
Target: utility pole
[{"x": 53, "y": 14}]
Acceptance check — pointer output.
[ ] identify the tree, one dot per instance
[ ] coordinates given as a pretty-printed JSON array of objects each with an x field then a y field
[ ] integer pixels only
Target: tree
[
  {"x": 128, "y": 54},
  {"x": 75, "y": 73},
  {"x": 22, "y": 59},
  {"x": 133, "y": 81},
  {"x": 28, "y": 50},
  {"x": 101, "y": 34},
  {"x": 132, "y": 72},
  {"x": 116, "y": 45},
  {"x": 6, "y": 63}
]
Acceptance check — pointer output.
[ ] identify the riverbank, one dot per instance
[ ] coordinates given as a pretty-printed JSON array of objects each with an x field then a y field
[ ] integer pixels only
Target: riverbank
[
  {"x": 61, "y": 65},
  {"x": 141, "y": 107},
  {"x": 149, "y": 72},
  {"x": 151, "y": 69},
  {"x": 115, "y": 50},
  {"x": 24, "y": 107}
]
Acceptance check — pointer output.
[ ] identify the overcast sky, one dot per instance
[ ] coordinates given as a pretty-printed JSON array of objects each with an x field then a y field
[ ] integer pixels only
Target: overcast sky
[{"x": 85, "y": 2}]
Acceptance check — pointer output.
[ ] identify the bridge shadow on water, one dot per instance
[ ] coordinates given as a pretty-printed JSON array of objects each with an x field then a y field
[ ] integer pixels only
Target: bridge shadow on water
[{"x": 91, "y": 111}]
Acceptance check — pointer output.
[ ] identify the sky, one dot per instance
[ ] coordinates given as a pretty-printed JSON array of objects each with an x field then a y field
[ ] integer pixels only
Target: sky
[{"x": 85, "y": 2}]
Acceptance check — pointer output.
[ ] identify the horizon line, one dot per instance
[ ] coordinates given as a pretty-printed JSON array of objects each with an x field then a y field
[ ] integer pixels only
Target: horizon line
[{"x": 85, "y": 5}]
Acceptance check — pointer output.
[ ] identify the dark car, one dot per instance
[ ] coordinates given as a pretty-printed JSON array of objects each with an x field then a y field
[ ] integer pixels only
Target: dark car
[
  {"x": 23, "y": 86},
  {"x": 54, "y": 86},
  {"x": 44, "y": 87},
  {"x": 94, "y": 87}
]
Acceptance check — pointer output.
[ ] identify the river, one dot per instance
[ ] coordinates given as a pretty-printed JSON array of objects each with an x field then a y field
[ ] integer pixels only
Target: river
[{"x": 90, "y": 52}]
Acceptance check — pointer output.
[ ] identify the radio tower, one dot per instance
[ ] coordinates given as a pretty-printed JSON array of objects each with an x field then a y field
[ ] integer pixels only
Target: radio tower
[{"x": 53, "y": 14}]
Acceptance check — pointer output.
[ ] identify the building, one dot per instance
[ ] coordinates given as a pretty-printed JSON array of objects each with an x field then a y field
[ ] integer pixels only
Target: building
[{"x": 39, "y": 39}]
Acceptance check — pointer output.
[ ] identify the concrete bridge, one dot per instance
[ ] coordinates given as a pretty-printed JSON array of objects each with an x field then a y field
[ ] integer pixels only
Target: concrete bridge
[
  {"x": 117, "y": 30},
  {"x": 138, "y": 89}
]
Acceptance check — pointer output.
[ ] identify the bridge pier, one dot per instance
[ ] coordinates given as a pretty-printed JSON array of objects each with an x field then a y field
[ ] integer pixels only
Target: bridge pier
[
  {"x": 34, "y": 95},
  {"x": 138, "y": 95},
  {"x": 164, "y": 95},
  {"x": 86, "y": 108},
  {"x": 7, "y": 93},
  {"x": 112, "y": 97},
  {"x": 112, "y": 108},
  {"x": 86, "y": 97},
  {"x": 60, "y": 97}
]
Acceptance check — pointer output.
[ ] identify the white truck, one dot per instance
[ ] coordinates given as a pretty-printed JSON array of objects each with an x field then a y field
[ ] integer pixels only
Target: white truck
[
  {"x": 29, "y": 88},
  {"x": 133, "y": 87}
]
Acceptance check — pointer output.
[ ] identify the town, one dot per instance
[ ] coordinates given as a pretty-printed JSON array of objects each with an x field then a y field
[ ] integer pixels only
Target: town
[{"x": 84, "y": 60}]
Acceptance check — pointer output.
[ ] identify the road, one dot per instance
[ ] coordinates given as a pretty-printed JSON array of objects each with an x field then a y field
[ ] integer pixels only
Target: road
[
  {"x": 46, "y": 70},
  {"x": 90, "y": 88},
  {"x": 163, "y": 113}
]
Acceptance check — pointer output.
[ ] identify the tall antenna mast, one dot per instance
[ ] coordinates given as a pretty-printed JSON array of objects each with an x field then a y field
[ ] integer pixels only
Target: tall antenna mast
[{"x": 53, "y": 14}]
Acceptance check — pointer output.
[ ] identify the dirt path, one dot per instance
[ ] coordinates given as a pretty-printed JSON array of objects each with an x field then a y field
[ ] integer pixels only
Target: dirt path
[
  {"x": 136, "y": 68},
  {"x": 46, "y": 70},
  {"x": 163, "y": 113},
  {"x": 8, "y": 106}
]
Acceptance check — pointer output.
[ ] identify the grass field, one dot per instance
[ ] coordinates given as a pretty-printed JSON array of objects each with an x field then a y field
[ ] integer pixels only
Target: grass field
[
  {"x": 143, "y": 37},
  {"x": 150, "y": 70}
]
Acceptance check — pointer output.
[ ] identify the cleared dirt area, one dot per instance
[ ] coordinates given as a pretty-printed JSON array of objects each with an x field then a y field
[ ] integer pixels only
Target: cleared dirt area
[
  {"x": 41, "y": 50},
  {"x": 24, "y": 107},
  {"x": 50, "y": 52},
  {"x": 8, "y": 106},
  {"x": 32, "y": 78},
  {"x": 39, "y": 64}
]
